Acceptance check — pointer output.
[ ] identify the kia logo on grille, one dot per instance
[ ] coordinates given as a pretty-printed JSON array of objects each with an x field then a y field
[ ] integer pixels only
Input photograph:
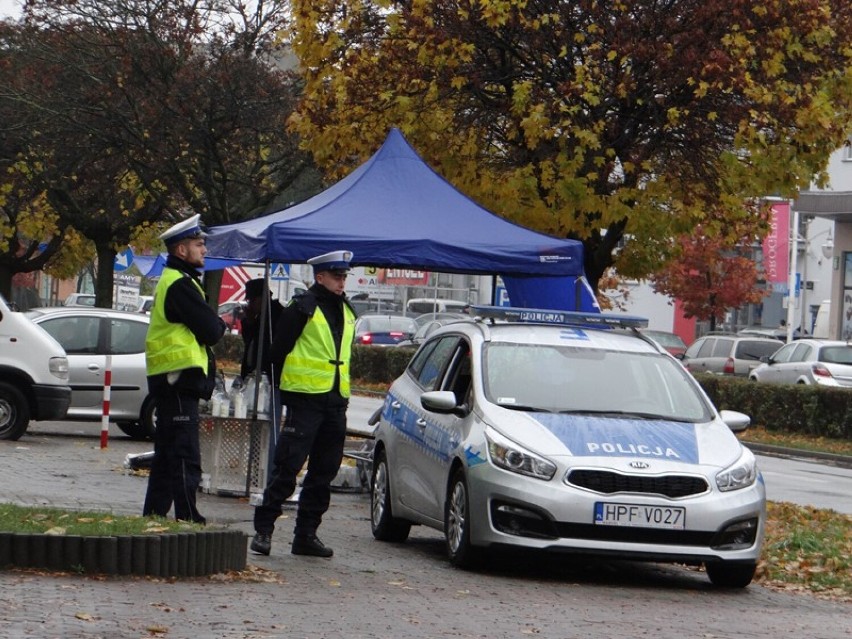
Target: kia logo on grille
[{"x": 639, "y": 464}]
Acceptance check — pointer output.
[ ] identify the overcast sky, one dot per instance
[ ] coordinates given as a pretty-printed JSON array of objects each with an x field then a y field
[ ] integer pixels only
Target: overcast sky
[{"x": 10, "y": 8}]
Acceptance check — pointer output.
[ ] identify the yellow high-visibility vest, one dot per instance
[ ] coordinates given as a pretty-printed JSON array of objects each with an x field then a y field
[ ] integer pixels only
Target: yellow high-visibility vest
[
  {"x": 171, "y": 346},
  {"x": 311, "y": 365}
]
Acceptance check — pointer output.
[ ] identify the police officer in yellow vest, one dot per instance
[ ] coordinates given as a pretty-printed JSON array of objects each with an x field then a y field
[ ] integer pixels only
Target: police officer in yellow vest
[
  {"x": 310, "y": 355},
  {"x": 181, "y": 370}
]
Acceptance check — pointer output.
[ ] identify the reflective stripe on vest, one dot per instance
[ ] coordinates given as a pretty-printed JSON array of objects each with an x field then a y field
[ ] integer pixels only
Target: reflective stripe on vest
[
  {"x": 311, "y": 365},
  {"x": 171, "y": 346}
]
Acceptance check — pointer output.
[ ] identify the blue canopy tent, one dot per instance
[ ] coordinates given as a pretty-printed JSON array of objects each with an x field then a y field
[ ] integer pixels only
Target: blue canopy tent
[
  {"x": 395, "y": 211},
  {"x": 152, "y": 265}
]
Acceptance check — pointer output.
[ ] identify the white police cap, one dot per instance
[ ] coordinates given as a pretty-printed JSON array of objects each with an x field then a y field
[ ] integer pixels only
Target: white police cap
[
  {"x": 333, "y": 261},
  {"x": 189, "y": 228}
]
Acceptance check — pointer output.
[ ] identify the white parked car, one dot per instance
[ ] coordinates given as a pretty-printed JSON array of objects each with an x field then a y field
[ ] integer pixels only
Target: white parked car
[
  {"x": 808, "y": 361},
  {"x": 555, "y": 434},
  {"x": 88, "y": 335}
]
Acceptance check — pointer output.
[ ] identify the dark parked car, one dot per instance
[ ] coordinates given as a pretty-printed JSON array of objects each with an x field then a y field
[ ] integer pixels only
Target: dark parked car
[
  {"x": 383, "y": 329},
  {"x": 671, "y": 342}
]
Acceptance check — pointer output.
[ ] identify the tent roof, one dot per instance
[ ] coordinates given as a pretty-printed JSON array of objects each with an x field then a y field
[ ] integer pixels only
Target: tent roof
[{"x": 395, "y": 211}]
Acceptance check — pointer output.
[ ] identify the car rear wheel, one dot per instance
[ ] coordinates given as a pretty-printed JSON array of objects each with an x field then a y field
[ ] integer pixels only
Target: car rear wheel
[
  {"x": 14, "y": 412},
  {"x": 457, "y": 524},
  {"x": 146, "y": 427},
  {"x": 730, "y": 574},
  {"x": 385, "y": 526}
]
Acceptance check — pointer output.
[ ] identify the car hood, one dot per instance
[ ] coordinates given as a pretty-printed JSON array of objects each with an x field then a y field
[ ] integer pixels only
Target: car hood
[{"x": 596, "y": 437}]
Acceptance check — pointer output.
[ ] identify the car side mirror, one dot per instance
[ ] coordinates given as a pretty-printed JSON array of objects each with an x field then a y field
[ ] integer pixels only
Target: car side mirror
[
  {"x": 735, "y": 420},
  {"x": 443, "y": 402}
]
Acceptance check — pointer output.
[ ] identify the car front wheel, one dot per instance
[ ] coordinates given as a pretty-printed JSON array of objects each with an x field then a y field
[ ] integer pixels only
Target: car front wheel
[
  {"x": 385, "y": 526},
  {"x": 457, "y": 524},
  {"x": 14, "y": 412},
  {"x": 730, "y": 574}
]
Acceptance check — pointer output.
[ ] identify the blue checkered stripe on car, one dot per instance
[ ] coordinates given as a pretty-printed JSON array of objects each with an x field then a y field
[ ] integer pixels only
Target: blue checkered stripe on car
[{"x": 435, "y": 441}]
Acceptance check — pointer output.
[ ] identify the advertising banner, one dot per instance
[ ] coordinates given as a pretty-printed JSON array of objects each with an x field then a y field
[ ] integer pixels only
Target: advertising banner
[{"x": 776, "y": 248}]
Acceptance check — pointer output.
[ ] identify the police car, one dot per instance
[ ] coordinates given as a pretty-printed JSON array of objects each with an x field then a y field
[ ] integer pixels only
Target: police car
[{"x": 564, "y": 432}]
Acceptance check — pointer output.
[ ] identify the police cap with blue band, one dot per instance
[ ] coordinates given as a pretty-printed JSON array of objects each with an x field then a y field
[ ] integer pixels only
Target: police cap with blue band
[
  {"x": 336, "y": 261},
  {"x": 188, "y": 229}
]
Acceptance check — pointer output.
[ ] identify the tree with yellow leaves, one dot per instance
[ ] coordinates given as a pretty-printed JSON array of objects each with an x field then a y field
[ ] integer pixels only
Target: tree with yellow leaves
[{"x": 616, "y": 123}]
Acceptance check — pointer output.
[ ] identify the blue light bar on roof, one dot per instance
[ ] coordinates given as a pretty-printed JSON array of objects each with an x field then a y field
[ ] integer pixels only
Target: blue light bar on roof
[{"x": 546, "y": 316}]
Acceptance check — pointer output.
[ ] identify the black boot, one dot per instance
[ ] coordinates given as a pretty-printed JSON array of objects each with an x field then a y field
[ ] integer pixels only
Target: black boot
[
  {"x": 262, "y": 543},
  {"x": 310, "y": 545}
]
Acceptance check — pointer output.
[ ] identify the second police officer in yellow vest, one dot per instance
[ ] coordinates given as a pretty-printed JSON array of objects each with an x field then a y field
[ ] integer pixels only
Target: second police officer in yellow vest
[{"x": 310, "y": 356}]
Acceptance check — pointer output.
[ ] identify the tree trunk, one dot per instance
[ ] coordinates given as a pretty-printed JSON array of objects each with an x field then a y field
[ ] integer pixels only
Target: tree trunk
[
  {"x": 104, "y": 276},
  {"x": 6, "y": 282},
  {"x": 212, "y": 284}
]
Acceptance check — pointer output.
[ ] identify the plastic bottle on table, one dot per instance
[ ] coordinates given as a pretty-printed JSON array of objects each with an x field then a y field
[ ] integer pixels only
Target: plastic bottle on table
[
  {"x": 264, "y": 397},
  {"x": 248, "y": 393},
  {"x": 237, "y": 398}
]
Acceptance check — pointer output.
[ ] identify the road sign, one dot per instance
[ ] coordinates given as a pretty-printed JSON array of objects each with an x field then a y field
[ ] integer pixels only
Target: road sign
[
  {"x": 279, "y": 271},
  {"x": 123, "y": 260}
]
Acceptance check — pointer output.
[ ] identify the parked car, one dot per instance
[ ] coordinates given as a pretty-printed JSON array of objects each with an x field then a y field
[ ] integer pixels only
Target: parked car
[
  {"x": 33, "y": 374},
  {"x": 553, "y": 435},
  {"x": 375, "y": 329},
  {"x": 79, "y": 299},
  {"x": 425, "y": 318},
  {"x": 728, "y": 354},
  {"x": 88, "y": 335},
  {"x": 431, "y": 326},
  {"x": 232, "y": 313},
  {"x": 670, "y": 341},
  {"x": 808, "y": 361}
]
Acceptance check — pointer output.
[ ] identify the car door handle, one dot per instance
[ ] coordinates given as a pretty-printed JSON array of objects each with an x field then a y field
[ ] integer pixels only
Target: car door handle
[
  {"x": 421, "y": 423},
  {"x": 94, "y": 367}
]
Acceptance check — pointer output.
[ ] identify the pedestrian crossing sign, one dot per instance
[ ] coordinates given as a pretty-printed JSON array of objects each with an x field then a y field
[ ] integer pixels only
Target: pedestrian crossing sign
[{"x": 279, "y": 271}]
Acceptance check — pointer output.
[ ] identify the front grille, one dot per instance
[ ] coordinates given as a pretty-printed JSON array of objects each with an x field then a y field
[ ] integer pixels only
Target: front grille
[{"x": 608, "y": 482}]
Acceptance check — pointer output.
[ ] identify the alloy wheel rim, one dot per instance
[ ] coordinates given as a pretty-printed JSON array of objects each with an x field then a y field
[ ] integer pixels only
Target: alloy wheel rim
[
  {"x": 456, "y": 517},
  {"x": 379, "y": 492}
]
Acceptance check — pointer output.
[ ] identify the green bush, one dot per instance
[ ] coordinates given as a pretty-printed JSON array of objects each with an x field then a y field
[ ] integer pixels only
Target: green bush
[{"x": 810, "y": 410}]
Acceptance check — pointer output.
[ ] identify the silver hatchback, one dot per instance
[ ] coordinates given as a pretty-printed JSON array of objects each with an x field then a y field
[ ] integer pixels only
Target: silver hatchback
[
  {"x": 88, "y": 335},
  {"x": 728, "y": 354},
  {"x": 808, "y": 361},
  {"x": 547, "y": 432}
]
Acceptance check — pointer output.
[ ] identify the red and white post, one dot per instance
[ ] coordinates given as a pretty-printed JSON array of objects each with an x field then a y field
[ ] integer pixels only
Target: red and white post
[{"x": 105, "y": 415}]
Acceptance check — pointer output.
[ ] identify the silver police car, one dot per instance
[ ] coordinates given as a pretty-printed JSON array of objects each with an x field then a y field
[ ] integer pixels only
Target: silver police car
[{"x": 564, "y": 432}]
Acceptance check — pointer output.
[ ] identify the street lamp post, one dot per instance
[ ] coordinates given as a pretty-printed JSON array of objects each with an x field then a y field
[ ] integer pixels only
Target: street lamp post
[{"x": 791, "y": 281}]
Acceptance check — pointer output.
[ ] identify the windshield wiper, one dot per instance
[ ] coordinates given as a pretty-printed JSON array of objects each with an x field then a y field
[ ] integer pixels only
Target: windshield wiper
[
  {"x": 525, "y": 408},
  {"x": 614, "y": 413}
]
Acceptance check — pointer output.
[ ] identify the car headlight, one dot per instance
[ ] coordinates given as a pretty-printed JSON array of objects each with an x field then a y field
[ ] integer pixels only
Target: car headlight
[
  {"x": 741, "y": 474},
  {"x": 506, "y": 454}
]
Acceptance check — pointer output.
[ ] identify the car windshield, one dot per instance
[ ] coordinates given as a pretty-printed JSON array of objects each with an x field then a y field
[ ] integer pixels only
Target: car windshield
[{"x": 555, "y": 378}]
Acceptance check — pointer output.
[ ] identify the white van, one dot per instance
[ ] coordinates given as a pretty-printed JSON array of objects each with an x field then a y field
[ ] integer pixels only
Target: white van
[
  {"x": 33, "y": 374},
  {"x": 420, "y": 305}
]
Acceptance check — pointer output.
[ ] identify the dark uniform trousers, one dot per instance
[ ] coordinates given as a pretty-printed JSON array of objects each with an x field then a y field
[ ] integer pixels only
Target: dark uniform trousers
[
  {"x": 314, "y": 429},
  {"x": 176, "y": 468}
]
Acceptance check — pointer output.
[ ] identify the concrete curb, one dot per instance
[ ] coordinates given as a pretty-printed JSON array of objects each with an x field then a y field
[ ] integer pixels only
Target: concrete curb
[
  {"x": 843, "y": 461},
  {"x": 186, "y": 554}
]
